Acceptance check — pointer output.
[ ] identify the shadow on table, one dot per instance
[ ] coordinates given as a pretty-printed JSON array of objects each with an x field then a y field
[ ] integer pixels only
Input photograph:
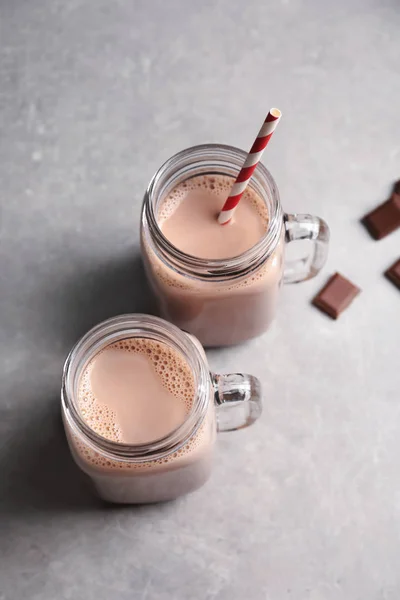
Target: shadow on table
[
  {"x": 92, "y": 293},
  {"x": 37, "y": 470}
]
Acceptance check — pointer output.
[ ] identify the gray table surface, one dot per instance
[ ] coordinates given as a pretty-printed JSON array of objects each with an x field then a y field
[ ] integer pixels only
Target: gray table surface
[{"x": 94, "y": 96}]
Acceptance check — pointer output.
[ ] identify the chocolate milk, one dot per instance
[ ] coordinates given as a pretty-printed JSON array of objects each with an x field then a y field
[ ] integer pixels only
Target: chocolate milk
[
  {"x": 188, "y": 218},
  {"x": 137, "y": 391},
  {"x": 216, "y": 312}
]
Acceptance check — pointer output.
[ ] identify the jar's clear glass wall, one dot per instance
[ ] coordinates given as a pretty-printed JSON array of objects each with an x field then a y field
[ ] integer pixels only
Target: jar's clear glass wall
[
  {"x": 178, "y": 463},
  {"x": 224, "y": 302}
]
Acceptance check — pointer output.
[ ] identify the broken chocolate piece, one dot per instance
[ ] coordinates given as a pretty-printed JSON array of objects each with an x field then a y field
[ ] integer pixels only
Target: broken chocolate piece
[
  {"x": 396, "y": 188},
  {"x": 336, "y": 295},
  {"x": 393, "y": 273},
  {"x": 384, "y": 219}
]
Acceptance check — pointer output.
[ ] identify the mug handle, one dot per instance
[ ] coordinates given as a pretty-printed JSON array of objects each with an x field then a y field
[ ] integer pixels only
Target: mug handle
[
  {"x": 237, "y": 398},
  {"x": 306, "y": 227}
]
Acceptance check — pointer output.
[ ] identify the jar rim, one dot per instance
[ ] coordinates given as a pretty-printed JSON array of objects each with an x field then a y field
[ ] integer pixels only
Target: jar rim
[
  {"x": 106, "y": 333},
  {"x": 214, "y": 269}
]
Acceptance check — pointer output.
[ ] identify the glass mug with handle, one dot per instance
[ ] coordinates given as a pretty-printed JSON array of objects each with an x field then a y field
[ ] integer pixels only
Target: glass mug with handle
[
  {"x": 225, "y": 301},
  {"x": 181, "y": 460}
]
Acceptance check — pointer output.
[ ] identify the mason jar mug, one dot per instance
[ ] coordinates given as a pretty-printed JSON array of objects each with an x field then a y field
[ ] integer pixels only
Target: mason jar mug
[
  {"x": 178, "y": 462},
  {"x": 225, "y": 301}
]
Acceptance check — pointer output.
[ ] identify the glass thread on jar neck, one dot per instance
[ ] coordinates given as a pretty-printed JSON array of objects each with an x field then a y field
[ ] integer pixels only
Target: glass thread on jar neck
[
  {"x": 108, "y": 332},
  {"x": 210, "y": 159}
]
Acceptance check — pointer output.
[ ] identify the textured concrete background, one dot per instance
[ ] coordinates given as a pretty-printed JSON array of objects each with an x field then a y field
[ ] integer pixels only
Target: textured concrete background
[{"x": 94, "y": 95}]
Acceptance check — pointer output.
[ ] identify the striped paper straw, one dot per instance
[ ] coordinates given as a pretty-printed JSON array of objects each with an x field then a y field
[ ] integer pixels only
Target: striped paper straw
[{"x": 250, "y": 164}]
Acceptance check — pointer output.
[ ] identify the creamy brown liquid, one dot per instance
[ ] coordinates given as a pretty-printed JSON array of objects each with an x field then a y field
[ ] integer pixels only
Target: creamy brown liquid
[
  {"x": 135, "y": 391},
  {"x": 218, "y": 313},
  {"x": 188, "y": 218}
]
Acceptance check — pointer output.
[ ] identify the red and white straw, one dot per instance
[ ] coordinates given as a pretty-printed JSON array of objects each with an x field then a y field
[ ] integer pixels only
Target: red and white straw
[{"x": 249, "y": 166}]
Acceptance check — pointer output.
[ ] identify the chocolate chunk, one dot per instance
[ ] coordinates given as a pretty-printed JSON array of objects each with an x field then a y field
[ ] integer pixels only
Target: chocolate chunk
[
  {"x": 396, "y": 188},
  {"x": 384, "y": 219},
  {"x": 393, "y": 273},
  {"x": 336, "y": 295}
]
